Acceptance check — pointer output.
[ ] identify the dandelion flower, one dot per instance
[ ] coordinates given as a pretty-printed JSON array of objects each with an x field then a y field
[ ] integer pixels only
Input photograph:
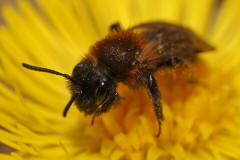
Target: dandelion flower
[{"x": 201, "y": 118}]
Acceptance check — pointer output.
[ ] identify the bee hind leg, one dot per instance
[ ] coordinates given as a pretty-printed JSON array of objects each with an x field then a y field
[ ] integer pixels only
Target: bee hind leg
[
  {"x": 105, "y": 106},
  {"x": 156, "y": 96}
]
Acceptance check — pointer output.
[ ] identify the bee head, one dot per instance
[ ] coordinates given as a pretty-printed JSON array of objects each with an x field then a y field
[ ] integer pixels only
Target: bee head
[{"x": 90, "y": 86}]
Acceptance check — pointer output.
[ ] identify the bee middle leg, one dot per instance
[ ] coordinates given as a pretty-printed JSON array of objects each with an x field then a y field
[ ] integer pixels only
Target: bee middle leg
[
  {"x": 105, "y": 106},
  {"x": 156, "y": 96},
  {"x": 115, "y": 26}
]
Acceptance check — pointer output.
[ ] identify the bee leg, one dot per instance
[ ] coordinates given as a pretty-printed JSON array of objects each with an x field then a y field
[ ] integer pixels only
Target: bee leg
[
  {"x": 106, "y": 106},
  {"x": 115, "y": 26},
  {"x": 156, "y": 96}
]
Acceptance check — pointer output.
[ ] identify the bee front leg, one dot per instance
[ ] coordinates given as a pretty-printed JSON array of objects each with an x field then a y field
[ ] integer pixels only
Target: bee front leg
[
  {"x": 115, "y": 26},
  {"x": 156, "y": 96},
  {"x": 106, "y": 106}
]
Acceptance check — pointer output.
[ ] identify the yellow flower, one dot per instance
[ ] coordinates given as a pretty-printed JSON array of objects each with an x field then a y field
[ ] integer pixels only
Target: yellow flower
[{"x": 202, "y": 119}]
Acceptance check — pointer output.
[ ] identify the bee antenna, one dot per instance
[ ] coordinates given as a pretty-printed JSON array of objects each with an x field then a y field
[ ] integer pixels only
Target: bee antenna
[
  {"x": 35, "y": 68},
  {"x": 69, "y": 104}
]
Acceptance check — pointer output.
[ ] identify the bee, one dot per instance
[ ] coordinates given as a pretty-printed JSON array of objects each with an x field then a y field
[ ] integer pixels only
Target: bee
[{"x": 130, "y": 56}]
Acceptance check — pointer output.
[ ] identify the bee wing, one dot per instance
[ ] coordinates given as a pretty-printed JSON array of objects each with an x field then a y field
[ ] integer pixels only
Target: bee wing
[{"x": 167, "y": 40}]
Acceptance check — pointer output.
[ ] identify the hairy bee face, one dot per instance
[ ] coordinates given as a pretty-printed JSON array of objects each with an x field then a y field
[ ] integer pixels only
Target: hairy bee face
[{"x": 91, "y": 86}]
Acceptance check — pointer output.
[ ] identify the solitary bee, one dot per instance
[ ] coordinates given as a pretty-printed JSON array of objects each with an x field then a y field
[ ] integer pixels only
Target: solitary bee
[{"x": 130, "y": 56}]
